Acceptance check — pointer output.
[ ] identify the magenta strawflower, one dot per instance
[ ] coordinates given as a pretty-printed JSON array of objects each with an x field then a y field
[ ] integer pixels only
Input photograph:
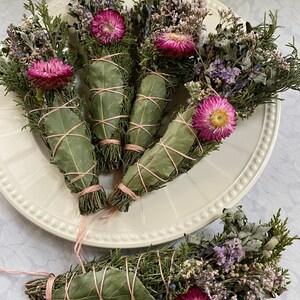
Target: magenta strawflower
[
  {"x": 214, "y": 119},
  {"x": 108, "y": 26},
  {"x": 193, "y": 293},
  {"x": 49, "y": 75},
  {"x": 175, "y": 44}
]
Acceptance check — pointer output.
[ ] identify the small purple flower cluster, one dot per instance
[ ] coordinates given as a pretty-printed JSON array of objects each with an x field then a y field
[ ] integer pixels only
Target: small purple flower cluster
[
  {"x": 230, "y": 253},
  {"x": 220, "y": 72}
]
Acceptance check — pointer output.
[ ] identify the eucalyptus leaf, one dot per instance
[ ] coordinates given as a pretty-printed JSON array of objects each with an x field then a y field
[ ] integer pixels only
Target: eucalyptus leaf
[{"x": 114, "y": 287}]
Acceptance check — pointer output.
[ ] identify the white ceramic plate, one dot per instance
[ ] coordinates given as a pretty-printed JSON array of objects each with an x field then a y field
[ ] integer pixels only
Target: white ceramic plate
[{"x": 37, "y": 189}]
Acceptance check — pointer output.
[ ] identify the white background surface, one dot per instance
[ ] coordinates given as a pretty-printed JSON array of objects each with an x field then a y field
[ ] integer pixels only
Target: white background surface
[{"x": 24, "y": 246}]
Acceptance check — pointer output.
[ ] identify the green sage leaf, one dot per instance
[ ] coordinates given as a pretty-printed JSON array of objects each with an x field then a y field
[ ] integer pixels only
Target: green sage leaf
[
  {"x": 147, "y": 111},
  {"x": 74, "y": 152},
  {"x": 105, "y": 105},
  {"x": 114, "y": 287},
  {"x": 179, "y": 137}
]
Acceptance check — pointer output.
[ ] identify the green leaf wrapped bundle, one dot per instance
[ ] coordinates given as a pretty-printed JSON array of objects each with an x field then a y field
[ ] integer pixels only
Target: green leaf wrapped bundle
[
  {"x": 36, "y": 71},
  {"x": 163, "y": 67},
  {"x": 170, "y": 272},
  {"x": 177, "y": 151},
  {"x": 106, "y": 37},
  {"x": 67, "y": 135},
  {"x": 238, "y": 71}
]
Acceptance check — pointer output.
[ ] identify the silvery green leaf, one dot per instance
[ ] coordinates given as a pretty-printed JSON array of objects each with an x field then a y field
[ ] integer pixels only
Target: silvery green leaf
[
  {"x": 260, "y": 78},
  {"x": 114, "y": 287},
  {"x": 252, "y": 246}
]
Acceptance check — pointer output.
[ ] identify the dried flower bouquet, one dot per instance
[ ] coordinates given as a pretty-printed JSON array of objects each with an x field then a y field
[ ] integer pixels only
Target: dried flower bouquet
[
  {"x": 241, "y": 263},
  {"x": 105, "y": 34},
  {"x": 170, "y": 33},
  {"x": 36, "y": 65},
  {"x": 239, "y": 68}
]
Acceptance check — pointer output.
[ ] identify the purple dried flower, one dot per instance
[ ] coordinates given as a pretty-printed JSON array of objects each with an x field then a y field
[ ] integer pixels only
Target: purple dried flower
[
  {"x": 230, "y": 253},
  {"x": 219, "y": 71}
]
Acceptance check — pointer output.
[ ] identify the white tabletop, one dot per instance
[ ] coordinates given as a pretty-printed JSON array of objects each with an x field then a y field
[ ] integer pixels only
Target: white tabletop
[{"x": 24, "y": 246}]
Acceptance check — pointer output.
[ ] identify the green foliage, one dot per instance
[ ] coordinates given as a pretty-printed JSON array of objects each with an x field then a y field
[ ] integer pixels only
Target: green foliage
[{"x": 280, "y": 237}]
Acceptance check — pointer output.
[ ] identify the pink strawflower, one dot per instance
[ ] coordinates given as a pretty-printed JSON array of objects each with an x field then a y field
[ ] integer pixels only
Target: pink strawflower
[
  {"x": 193, "y": 293},
  {"x": 175, "y": 45},
  {"x": 215, "y": 118},
  {"x": 108, "y": 26},
  {"x": 49, "y": 75}
]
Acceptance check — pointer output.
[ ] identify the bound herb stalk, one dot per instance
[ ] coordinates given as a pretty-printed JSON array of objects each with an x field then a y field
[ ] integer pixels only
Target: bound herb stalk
[
  {"x": 37, "y": 69},
  {"x": 104, "y": 30},
  {"x": 238, "y": 70},
  {"x": 199, "y": 268},
  {"x": 167, "y": 59}
]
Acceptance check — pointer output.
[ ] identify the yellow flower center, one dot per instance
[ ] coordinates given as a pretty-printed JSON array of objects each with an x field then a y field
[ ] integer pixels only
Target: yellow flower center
[
  {"x": 219, "y": 118},
  {"x": 177, "y": 37},
  {"x": 108, "y": 27}
]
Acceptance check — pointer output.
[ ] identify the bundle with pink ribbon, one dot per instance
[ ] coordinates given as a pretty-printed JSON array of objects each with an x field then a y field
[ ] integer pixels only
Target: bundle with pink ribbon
[
  {"x": 38, "y": 70},
  {"x": 104, "y": 30}
]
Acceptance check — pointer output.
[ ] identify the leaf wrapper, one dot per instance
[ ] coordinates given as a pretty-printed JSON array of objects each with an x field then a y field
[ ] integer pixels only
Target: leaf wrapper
[
  {"x": 109, "y": 107},
  {"x": 176, "y": 152},
  {"x": 115, "y": 286},
  {"x": 145, "y": 116},
  {"x": 68, "y": 138}
]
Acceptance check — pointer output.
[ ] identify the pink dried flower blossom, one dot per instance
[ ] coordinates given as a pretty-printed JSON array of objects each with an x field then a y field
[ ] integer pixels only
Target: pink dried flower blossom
[
  {"x": 175, "y": 45},
  {"x": 215, "y": 118},
  {"x": 108, "y": 26},
  {"x": 193, "y": 293},
  {"x": 49, "y": 75}
]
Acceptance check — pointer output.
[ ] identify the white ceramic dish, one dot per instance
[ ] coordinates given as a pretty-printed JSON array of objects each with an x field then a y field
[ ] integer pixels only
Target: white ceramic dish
[{"x": 37, "y": 189}]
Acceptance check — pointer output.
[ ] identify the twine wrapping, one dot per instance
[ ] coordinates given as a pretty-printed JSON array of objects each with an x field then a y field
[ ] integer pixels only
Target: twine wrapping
[
  {"x": 128, "y": 191},
  {"x": 134, "y": 147}
]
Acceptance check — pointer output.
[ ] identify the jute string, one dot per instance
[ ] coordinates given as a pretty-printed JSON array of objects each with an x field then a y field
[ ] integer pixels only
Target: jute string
[
  {"x": 161, "y": 75},
  {"x": 141, "y": 126},
  {"x": 82, "y": 174},
  {"x": 54, "y": 109},
  {"x": 167, "y": 149},
  {"x": 65, "y": 135},
  {"x": 111, "y": 89},
  {"x": 84, "y": 227},
  {"x": 106, "y": 59},
  {"x": 105, "y": 121},
  {"x": 152, "y": 99}
]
